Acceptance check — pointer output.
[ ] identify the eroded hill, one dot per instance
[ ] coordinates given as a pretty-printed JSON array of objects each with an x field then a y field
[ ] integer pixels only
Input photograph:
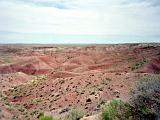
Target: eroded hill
[{"x": 56, "y": 78}]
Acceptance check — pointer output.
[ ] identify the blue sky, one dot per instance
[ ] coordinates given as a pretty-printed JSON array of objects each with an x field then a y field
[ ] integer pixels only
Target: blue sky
[{"x": 79, "y": 21}]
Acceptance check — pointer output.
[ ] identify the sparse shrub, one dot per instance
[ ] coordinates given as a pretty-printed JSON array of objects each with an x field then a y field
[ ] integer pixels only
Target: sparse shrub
[
  {"x": 145, "y": 98},
  {"x": 138, "y": 64},
  {"x": 76, "y": 114},
  {"x": 46, "y": 118},
  {"x": 14, "y": 117},
  {"x": 116, "y": 110},
  {"x": 10, "y": 107},
  {"x": 101, "y": 102},
  {"x": 109, "y": 79},
  {"x": 69, "y": 57},
  {"x": 21, "y": 109},
  {"x": 37, "y": 112},
  {"x": 38, "y": 78}
]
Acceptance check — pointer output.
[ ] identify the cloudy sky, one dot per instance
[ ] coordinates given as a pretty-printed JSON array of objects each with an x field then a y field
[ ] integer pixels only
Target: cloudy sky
[{"x": 67, "y": 21}]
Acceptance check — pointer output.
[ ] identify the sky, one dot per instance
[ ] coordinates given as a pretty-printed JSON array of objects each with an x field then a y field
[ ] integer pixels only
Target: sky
[{"x": 79, "y": 21}]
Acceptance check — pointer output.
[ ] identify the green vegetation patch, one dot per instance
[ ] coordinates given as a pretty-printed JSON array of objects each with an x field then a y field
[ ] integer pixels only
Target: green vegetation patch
[
  {"x": 138, "y": 64},
  {"x": 116, "y": 109},
  {"x": 108, "y": 79},
  {"x": 39, "y": 78},
  {"x": 145, "y": 97},
  {"x": 76, "y": 114},
  {"x": 46, "y": 117}
]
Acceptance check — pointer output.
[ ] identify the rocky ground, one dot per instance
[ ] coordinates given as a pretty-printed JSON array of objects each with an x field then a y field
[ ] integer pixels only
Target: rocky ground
[{"x": 56, "y": 78}]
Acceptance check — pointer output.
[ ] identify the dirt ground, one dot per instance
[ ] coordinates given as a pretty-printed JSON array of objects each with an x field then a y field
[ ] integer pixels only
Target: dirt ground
[{"x": 56, "y": 78}]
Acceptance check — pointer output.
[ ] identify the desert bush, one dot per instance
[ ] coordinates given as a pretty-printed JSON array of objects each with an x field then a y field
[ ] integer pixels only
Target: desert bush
[
  {"x": 76, "y": 114},
  {"x": 38, "y": 78},
  {"x": 109, "y": 79},
  {"x": 145, "y": 98},
  {"x": 42, "y": 117},
  {"x": 116, "y": 110},
  {"x": 101, "y": 102}
]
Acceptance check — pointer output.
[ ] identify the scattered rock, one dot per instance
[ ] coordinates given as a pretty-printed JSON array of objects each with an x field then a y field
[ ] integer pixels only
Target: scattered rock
[
  {"x": 88, "y": 100},
  {"x": 121, "y": 86},
  {"x": 64, "y": 110}
]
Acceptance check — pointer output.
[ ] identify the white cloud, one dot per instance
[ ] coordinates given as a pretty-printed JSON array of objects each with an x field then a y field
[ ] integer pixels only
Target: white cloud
[{"x": 80, "y": 17}]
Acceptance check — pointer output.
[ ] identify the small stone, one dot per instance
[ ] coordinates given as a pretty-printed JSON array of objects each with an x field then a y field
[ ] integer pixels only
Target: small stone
[
  {"x": 121, "y": 85},
  {"x": 89, "y": 100},
  {"x": 116, "y": 92},
  {"x": 117, "y": 96}
]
